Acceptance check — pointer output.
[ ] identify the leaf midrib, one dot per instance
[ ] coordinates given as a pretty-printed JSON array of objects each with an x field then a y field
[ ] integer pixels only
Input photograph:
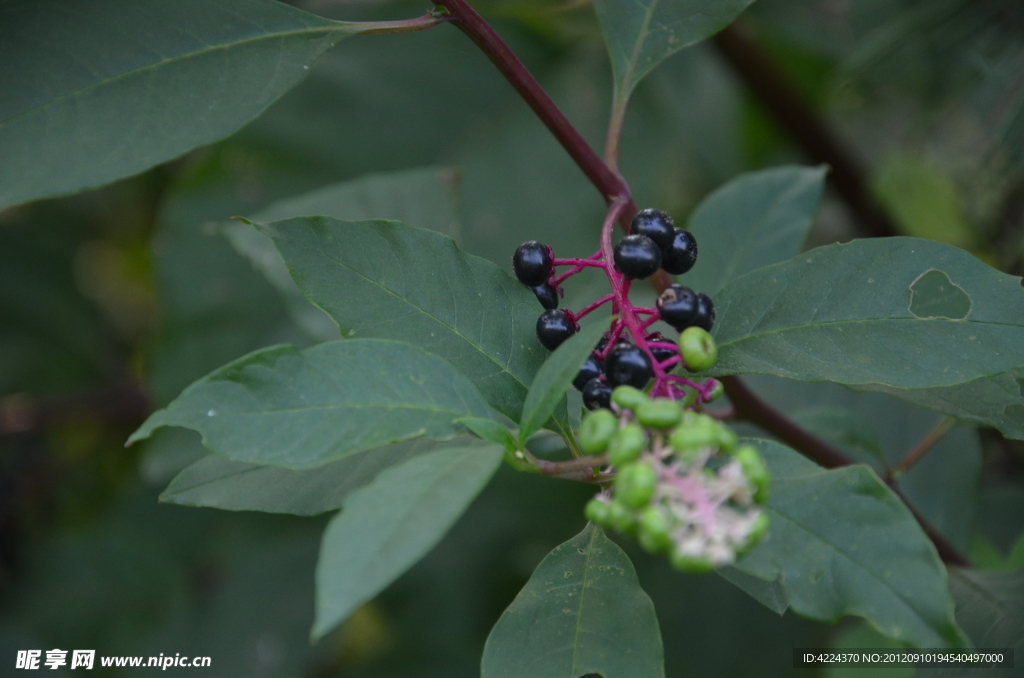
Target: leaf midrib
[
  {"x": 583, "y": 593},
  {"x": 631, "y": 64},
  {"x": 854, "y": 321},
  {"x": 163, "y": 62}
]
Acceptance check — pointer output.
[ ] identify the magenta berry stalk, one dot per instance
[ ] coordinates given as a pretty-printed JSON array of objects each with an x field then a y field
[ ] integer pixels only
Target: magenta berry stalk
[{"x": 629, "y": 319}]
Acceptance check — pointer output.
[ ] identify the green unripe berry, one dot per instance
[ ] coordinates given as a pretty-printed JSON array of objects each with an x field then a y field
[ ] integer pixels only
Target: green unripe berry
[
  {"x": 597, "y": 429},
  {"x": 755, "y": 471},
  {"x": 757, "y": 532},
  {"x": 698, "y": 349},
  {"x": 727, "y": 439},
  {"x": 635, "y": 484},
  {"x": 621, "y": 517},
  {"x": 716, "y": 391},
  {"x": 697, "y": 433},
  {"x": 597, "y": 512},
  {"x": 628, "y": 398},
  {"x": 654, "y": 531},
  {"x": 627, "y": 444},
  {"x": 659, "y": 413},
  {"x": 690, "y": 563}
]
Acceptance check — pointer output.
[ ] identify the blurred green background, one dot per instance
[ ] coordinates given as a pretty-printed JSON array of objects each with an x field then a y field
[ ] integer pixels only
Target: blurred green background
[{"x": 112, "y": 301}]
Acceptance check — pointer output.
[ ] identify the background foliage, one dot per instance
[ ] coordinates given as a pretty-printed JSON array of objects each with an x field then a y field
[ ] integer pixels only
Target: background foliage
[{"x": 114, "y": 300}]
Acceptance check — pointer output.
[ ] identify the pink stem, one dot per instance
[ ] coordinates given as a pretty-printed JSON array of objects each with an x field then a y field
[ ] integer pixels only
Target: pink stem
[
  {"x": 674, "y": 360},
  {"x": 578, "y": 262},
  {"x": 650, "y": 321},
  {"x": 592, "y": 306},
  {"x": 645, "y": 311}
]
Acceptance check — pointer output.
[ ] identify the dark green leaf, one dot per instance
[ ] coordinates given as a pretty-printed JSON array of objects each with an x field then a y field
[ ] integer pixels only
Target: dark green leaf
[
  {"x": 491, "y": 431},
  {"x": 755, "y": 220},
  {"x": 135, "y": 83},
  {"x": 302, "y": 409},
  {"x": 847, "y": 430},
  {"x": 996, "y": 401},
  {"x": 555, "y": 376},
  {"x": 237, "y": 486},
  {"x": 422, "y": 197},
  {"x": 642, "y": 33},
  {"x": 902, "y": 313},
  {"x": 990, "y": 608},
  {"x": 391, "y": 523},
  {"x": 771, "y": 594},
  {"x": 582, "y": 612},
  {"x": 844, "y": 544},
  {"x": 386, "y": 279}
]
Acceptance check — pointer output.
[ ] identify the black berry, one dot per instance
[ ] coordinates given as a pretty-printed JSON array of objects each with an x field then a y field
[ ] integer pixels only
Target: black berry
[
  {"x": 546, "y": 295},
  {"x": 705, "y": 316},
  {"x": 554, "y": 327},
  {"x": 656, "y": 225},
  {"x": 637, "y": 256},
  {"x": 677, "y": 306},
  {"x": 592, "y": 367},
  {"x": 681, "y": 254},
  {"x": 597, "y": 394},
  {"x": 627, "y": 365},
  {"x": 661, "y": 353},
  {"x": 532, "y": 263},
  {"x": 603, "y": 342}
]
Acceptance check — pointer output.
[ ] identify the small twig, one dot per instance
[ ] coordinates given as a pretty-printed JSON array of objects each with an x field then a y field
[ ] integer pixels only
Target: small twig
[
  {"x": 402, "y": 26},
  {"x": 560, "y": 468},
  {"x": 922, "y": 448}
]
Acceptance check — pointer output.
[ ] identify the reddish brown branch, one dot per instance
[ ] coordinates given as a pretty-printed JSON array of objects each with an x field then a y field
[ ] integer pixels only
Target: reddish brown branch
[
  {"x": 790, "y": 110},
  {"x": 611, "y": 184}
]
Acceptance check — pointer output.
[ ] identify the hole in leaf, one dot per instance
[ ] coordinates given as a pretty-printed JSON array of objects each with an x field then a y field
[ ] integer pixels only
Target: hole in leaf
[
  {"x": 592, "y": 675},
  {"x": 934, "y": 295}
]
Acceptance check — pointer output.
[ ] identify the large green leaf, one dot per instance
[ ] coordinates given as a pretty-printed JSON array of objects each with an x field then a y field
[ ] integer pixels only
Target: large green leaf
[
  {"x": 943, "y": 486},
  {"x": 386, "y": 279},
  {"x": 642, "y": 33},
  {"x": 990, "y": 608},
  {"x": 901, "y": 313},
  {"x": 844, "y": 544},
  {"x": 555, "y": 377},
  {"x": 990, "y": 401},
  {"x": 582, "y": 612},
  {"x": 391, "y": 523},
  {"x": 137, "y": 82},
  {"x": 755, "y": 220},
  {"x": 238, "y": 486},
  {"x": 423, "y": 197},
  {"x": 301, "y": 409}
]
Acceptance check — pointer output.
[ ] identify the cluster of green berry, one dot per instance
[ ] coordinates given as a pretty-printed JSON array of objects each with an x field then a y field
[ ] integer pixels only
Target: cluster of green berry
[{"x": 683, "y": 487}]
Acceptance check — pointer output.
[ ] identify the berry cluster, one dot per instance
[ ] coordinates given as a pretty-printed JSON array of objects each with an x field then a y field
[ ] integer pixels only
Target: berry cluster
[
  {"x": 683, "y": 486},
  {"x": 629, "y": 354}
]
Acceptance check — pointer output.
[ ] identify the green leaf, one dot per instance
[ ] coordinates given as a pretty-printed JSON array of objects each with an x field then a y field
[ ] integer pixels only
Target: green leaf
[
  {"x": 990, "y": 608},
  {"x": 771, "y": 594},
  {"x": 847, "y": 430},
  {"x": 491, "y": 431},
  {"x": 641, "y": 34},
  {"x": 844, "y": 544},
  {"x": 238, "y": 486},
  {"x": 424, "y": 197},
  {"x": 902, "y": 313},
  {"x": 996, "y": 401},
  {"x": 301, "y": 409},
  {"x": 387, "y": 526},
  {"x": 386, "y": 279},
  {"x": 755, "y": 220},
  {"x": 136, "y": 83},
  {"x": 555, "y": 377},
  {"x": 582, "y": 612}
]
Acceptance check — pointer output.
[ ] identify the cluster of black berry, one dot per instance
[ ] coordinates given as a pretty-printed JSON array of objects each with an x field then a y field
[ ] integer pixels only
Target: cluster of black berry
[{"x": 654, "y": 243}]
